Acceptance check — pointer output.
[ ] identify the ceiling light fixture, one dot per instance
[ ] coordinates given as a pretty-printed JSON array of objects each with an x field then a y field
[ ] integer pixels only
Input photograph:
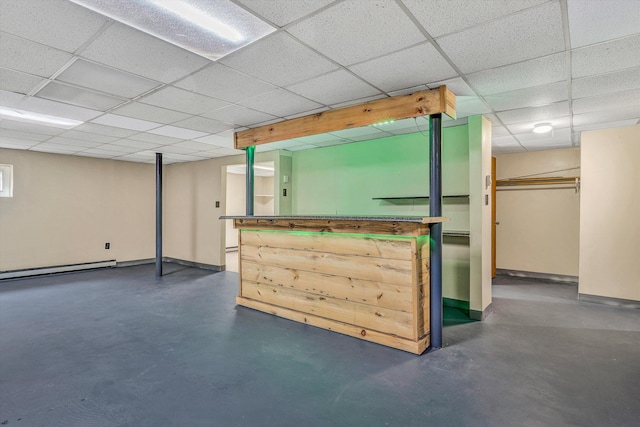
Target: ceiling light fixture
[
  {"x": 211, "y": 29},
  {"x": 267, "y": 168},
  {"x": 542, "y": 128},
  {"x": 30, "y": 117},
  {"x": 200, "y": 18}
]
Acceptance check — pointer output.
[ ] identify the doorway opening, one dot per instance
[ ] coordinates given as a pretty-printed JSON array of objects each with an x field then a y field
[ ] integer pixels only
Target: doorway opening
[{"x": 236, "y": 198}]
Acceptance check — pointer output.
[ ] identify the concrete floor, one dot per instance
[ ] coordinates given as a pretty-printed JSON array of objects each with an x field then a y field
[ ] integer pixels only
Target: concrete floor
[{"x": 117, "y": 347}]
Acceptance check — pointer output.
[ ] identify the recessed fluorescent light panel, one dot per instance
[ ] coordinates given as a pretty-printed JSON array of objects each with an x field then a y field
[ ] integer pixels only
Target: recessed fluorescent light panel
[
  {"x": 542, "y": 128},
  {"x": 208, "y": 28},
  {"x": 42, "y": 119}
]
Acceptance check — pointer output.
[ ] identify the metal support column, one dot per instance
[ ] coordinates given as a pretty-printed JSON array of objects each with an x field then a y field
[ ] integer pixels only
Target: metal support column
[
  {"x": 250, "y": 154},
  {"x": 158, "y": 214},
  {"x": 435, "y": 209}
]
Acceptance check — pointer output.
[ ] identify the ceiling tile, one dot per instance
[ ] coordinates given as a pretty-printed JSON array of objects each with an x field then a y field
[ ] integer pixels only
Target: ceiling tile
[
  {"x": 305, "y": 113},
  {"x": 177, "y": 132},
  {"x": 29, "y": 57},
  {"x": 204, "y": 125},
  {"x": 221, "y": 82},
  {"x": 28, "y": 136},
  {"x": 156, "y": 139},
  {"x": 183, "y": 100},
  {"x": 501, "y": 141},
  {"x": 529, "y": 97},
  {"x": 606, "y": 102},
  {"x": 605, "y": 116},
  {"x": 10, "y": 99},
  {"x": 16, "y": 144},
  {"x": 73, "y": 142},
  {"x": 131, "y": 50},
  {"x": 606, "y": 83},
  {"x": 77, "y": 96},
  {"x": 498, "y": 131},
  {"x": 536, "y": 32},
  {"x": 301, "y": 147},
  {"x": 280, "y": 103},
  {"x": 408, "y": 90},
  {"x": 441, "y": 17},
  {"x": 359, "y": 101},
  {"x": 172, "y": 149},
  {"x": 15, "y": 81},
  {"x": 192, "y": 145},
  {"x": 30, "y": 127},
  {"x": 125, "y": 122},
  {"x": 177, "y": 158},
  {"x": 598, "y": 21},
  {"x": 109, "y": 80},
  {"x": 120, "y": 149},
  {"x": 56, "y": 148},
  {"x": 527, "y": 127},
  {"x": 217, "y": 140},
  {"x": 607, "y": 125},
  {"x": 605, "y": 57},
  {"x": 58, "y": 109},
  {"x": 282, "y": 12},
  {"x": 135, "y": 144},
  {"x": 51, "y": 22},
  {"x": 456, "y": 85},
  {"x": 74, "y": 134},
  {"x": 535, "y": 114},
  {"x": 470, "y": 106},
  {"x": 294, "y": 62},
  {"x": 142, "y": 111},
  {"x": 220, "y": 152},
  {"x": 98, "y": 154},
  {"x": 349, "y": 33},
  {"x": 238, "y": 115},
  {"x": 421, "y": 64},
  {"x": 562, "y": 136},
  {"x": 535, "y": 72},
  {"x": 104, "y": 130},
  {"x": 334, "y": 87},
  {"x": 211, "y": 154}
]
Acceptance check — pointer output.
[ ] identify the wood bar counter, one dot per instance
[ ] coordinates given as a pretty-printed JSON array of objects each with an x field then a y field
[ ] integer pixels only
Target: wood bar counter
[{"x": 366, "y": 277}]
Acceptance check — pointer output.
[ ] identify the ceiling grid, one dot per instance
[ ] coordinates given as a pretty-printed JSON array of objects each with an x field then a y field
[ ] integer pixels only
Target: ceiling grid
[{"x": 572, "y": 63}]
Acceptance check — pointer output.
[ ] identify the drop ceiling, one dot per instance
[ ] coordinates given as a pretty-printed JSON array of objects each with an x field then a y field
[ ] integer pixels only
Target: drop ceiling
[{"x": 572, "y": 63}]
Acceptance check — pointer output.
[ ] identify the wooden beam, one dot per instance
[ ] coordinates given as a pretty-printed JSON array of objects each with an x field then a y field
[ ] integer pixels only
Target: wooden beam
[{"x": 422, "y": 103}]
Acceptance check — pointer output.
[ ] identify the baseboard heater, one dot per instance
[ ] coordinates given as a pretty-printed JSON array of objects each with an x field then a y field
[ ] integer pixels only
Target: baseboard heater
[{"x": 14, "y": 274}]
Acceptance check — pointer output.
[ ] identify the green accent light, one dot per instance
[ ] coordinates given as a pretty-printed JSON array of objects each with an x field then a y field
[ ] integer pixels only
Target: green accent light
[
  {"x": 385, "y": 122},
  {"x": 307, "y": 233}
]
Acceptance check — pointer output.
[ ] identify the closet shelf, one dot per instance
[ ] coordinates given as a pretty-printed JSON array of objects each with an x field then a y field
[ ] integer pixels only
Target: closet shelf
[{"x": 454, "y": 196}]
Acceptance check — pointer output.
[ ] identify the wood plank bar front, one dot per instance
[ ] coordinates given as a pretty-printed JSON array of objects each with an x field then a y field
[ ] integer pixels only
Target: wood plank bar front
[
  {"x": 366, "y": 278},
  {"x": 426, "y": 102}
]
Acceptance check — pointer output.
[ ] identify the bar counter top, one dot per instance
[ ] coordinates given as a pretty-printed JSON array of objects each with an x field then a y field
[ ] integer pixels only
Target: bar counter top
[{"x": 411, "y": 219}]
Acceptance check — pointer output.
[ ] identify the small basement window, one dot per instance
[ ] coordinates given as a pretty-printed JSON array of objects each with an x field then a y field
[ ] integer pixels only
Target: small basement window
[{"x": 6, "y": 180}]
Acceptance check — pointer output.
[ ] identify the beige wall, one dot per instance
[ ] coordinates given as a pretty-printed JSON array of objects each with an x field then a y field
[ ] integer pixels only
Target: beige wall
[
  {"x": 192, "y": 230},
  {"x": 610, "y": 206},
  {"x": 65, "y": 208},
  {"x": 539, "y": 228}
]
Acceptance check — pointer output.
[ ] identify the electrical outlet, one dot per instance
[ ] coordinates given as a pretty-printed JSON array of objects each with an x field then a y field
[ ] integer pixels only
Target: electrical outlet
[
  {"x": 284, "y": 192},
  {"x": 107, "y": 245},
  {"x": 217, "y": 204}
]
